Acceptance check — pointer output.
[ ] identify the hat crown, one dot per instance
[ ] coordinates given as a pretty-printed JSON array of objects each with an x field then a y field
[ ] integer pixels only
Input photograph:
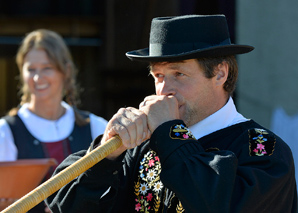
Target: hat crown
[
  {"x": 175, "y": 35},
  {"x": 186, "y": 37}
]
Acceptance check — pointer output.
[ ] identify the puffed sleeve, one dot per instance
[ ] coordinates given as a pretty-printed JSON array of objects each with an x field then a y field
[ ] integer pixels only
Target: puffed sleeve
[{"x": 8, "y": 150}]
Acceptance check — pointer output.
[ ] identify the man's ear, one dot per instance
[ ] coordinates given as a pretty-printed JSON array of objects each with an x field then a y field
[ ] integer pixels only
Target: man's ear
[{"x": 222, "y": 73}]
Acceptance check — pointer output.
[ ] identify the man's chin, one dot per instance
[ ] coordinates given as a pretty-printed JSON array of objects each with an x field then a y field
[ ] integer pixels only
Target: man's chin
[{"x": 189, "y": 119}]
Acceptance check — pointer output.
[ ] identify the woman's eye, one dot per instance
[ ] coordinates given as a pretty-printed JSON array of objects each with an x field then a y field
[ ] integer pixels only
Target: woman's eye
[
  {"x": 31, "y": 70},
  {"x": 47, "y": 68}
]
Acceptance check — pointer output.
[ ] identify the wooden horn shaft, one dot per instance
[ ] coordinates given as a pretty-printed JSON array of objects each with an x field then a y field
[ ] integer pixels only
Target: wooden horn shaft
[{"x": 56, "y": 182}]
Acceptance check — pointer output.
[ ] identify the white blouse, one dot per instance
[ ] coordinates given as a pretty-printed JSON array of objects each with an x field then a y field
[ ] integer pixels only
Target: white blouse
[{"x": 44, "y": 130}]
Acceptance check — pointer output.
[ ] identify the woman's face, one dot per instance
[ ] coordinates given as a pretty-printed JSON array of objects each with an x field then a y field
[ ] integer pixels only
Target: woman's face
[{"x": 44, "y": 81}]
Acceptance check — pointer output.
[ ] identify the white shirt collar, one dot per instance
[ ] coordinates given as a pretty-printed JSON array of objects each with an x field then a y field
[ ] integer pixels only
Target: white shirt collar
[
  {"x": 223, "y": 118},
  {"x": 48, "y": 130}
]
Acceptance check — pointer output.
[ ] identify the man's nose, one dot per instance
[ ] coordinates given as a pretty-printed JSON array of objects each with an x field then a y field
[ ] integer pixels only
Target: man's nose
[{"x": 167, "y": 87}]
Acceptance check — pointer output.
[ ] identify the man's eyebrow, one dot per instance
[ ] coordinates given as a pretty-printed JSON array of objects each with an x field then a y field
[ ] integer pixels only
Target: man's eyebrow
[
  {"x": 175, "y": 66},
  {"x": 172, "y": 65}
]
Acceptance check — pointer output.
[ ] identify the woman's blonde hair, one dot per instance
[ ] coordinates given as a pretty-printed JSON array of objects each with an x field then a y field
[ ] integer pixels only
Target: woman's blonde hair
[{"x": 58, "y": 53}]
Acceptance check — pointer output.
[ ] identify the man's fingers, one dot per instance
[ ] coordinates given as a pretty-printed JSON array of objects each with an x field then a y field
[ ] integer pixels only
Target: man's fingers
[
  {"x": 130, "y": 124},
  {"x": 140, "y": 120},
  {"x": 127, "y": 126}
]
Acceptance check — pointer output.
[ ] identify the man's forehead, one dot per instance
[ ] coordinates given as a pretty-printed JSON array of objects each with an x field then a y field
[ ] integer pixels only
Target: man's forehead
[{"x": 169, "y": 64}]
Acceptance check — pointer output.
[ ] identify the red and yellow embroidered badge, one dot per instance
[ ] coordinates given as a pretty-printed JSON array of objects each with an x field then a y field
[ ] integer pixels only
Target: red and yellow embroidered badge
[{"x": 261, "y": 142}]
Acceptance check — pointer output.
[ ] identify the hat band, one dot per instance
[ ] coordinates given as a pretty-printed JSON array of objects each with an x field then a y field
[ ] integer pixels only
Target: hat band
[{"x": 159, "y": 49}]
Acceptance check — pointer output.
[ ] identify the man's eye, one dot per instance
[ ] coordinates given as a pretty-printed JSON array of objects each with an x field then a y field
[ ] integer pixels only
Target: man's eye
[
  {"x": 157, "y": 75},
  {"x": 179, "y": 74}
]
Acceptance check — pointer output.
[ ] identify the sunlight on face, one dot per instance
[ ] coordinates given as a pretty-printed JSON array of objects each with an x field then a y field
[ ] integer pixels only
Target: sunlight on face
[{"x": 196, "y": 94}]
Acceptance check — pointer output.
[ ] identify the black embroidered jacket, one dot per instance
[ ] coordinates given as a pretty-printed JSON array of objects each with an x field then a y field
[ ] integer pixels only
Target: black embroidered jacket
[{"x": 242, "y": 168}]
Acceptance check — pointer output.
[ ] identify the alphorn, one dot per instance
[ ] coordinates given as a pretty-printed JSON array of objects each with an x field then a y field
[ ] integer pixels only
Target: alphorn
[{"x": 56, "y": 182}]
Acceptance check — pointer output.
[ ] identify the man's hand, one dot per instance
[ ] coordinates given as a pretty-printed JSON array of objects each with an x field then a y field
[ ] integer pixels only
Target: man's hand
[
  {"x": 131, "y": 125},
  {"x": 159, "y": 109},
  {"x": 136, "y": 125}
]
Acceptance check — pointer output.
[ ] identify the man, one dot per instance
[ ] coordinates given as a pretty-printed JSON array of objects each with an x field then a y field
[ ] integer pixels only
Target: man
[{"x": 222, "y": 163}]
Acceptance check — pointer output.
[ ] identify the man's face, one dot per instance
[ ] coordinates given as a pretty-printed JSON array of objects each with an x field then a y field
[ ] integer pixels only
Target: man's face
[{"x": 198, "y": 96}]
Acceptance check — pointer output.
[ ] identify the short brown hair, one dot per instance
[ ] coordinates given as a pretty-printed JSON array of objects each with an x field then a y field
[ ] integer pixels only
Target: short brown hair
[{"x": 209, "y": 64}]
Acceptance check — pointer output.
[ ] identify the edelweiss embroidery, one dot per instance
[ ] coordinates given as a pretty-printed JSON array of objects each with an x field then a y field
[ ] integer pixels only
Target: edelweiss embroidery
[
  {"x": 261, "y": 143},
  {"x": 149, "y": 187},
  {"x": 179, "y": 131}
]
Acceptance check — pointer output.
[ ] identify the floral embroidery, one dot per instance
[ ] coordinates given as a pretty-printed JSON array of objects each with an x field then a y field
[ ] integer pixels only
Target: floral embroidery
[
  {"x": 180, "y": 131},
  {"x": 158, "y": 186},
  {"x": 151, "y": 174},
  {"x": 138, "y": 207},
  {"x": 261, "y": 142},
  {"x": 149, "y": 197},
  {"x": 143, "y": 188},
  {"x": 148, "y": 188}
]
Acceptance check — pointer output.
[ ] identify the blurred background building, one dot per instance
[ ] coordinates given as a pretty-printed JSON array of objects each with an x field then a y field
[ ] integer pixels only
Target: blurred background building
[
  {"x": 268, "y": 76},
  {"x": 99, "y": 32},
  {"x": 267, "y": 86}
]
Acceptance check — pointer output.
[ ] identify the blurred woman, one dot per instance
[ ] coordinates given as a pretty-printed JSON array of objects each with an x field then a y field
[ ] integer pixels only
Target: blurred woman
[{"x": 47, "y": 123}]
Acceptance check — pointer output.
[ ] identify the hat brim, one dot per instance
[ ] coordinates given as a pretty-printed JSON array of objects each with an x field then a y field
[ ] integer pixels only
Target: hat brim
[{"x": 225, "y": 50}]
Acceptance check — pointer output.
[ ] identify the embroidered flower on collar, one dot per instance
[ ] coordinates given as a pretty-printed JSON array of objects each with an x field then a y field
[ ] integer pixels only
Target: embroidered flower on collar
[
  {"x": 261, "y": 142},
  {"x": 180, "y": 131}
]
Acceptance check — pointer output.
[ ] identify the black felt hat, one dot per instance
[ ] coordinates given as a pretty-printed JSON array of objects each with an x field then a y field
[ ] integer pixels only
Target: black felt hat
[{"x": 186, "y": 37}]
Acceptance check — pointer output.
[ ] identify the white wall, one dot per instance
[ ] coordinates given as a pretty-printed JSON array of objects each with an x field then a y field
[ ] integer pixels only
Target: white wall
[{"x": 268, "y": 75}]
